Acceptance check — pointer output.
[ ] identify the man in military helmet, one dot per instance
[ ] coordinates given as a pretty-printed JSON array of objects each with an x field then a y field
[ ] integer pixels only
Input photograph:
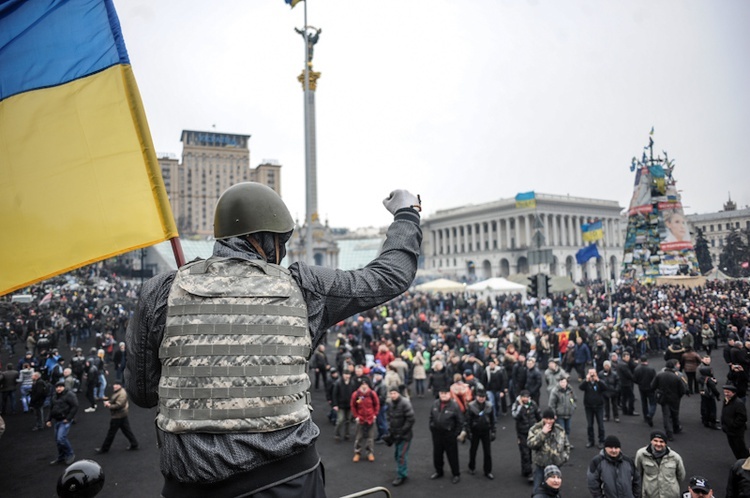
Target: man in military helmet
[{"x": 221, "y": 346}]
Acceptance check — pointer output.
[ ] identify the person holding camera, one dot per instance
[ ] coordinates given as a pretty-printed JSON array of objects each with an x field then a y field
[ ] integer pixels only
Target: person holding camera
[
  {"x": 400, "y": 421},
  {"x": 593, "y": 402}
]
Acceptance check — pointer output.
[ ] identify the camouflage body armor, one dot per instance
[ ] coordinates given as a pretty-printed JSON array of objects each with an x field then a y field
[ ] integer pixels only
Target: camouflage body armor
[{"x": 235, "y": 349}]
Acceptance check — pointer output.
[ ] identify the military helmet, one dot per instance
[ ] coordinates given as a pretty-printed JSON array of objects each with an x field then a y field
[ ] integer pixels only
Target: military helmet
[
  {"x": 250, "y": 207},
  {"x": 82, "y": 479}
]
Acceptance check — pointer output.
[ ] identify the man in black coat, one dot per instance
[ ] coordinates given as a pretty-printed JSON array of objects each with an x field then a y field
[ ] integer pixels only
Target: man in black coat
[
  {"x": 593, "y": 403},
  {"x": 625, "y": 369},
  {"x": 643, "y": 376},
  {"x": 400, "y": 423},
  {"x": 446, "y": 423},
  {"x": 63, "y": 409},
  {"x": 669, "y": 389},
  {"x": 480, "y": 422},
  {"x": 341, "y": 398},
  {"x": 734, "y": 421},
  {"x": 533, "y": 379},
  {"x": 739, "y": 479}
]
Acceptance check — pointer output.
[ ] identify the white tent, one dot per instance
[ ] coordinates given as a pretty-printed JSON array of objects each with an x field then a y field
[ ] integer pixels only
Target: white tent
[
  {"x": 497, "y": 285},
  {"x": 441, "y": 285}
]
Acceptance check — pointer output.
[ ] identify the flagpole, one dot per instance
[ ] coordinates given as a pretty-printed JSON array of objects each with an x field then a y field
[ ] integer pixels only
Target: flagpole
[
  {"x": 179, "y": 256},
  {"x": 606, "y": 272}
]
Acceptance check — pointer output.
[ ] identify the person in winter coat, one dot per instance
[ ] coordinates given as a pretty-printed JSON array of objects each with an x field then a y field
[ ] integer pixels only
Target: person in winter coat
[
  {"x": 551, "y": 485},
  {"x": 593, "y": 403},
  {"x": 401, "y": 423},
  {"x": 526, "y": 413},
  {"x": 625, "y": 375},
  {"x": 118, "y": 408},
  {"x": 480, "y": 425},
  {"x": 611, "y": 474},
  {"x": 670, "y": 389},
  {"x": 660, "y": 468},
  {"x": 533, "y": 379},
  {"x": 581, "y": 357},
  {"x": 438, "y": 378},
  {"x": 40, "y": 391},
  {"x": 609, "y": 376},
  {"x": 690, "y": 362},
  {"x": 365, "y": 405},
  {"x": 709, "y": 394},
  {"x": 61, "y": 414},
  {"x": 446, "y": 423},
  {"x": 643, "y": 376},
  {"x": 549, "y": 445},
  {"x": 562, "y": 400},
  {"x": 739, "y": 479},
  {"x": 341, "y": 398},
  {"x": 419, "y": 374},
  {"x": 553, "y": 374},
  {"x": 734, "y": 421}
]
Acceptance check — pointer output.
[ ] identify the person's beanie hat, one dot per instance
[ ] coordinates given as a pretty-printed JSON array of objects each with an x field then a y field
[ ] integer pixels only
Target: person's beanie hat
[
  {"x": 551, "y": 470},
  {"x": 548, "y": 413},
  {"x": 659, "y": 434},
  {"x": 612, "y": 442},
  {"x": 394, "y": 388}
]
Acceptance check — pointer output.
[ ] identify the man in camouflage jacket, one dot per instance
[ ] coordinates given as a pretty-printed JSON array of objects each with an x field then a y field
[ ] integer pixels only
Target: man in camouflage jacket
[
  {"x": 549, "y": 444},
  {"x": 284, "y": 459}
]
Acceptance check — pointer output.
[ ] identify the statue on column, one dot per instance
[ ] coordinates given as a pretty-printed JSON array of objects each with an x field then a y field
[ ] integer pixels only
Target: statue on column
[{"x": 311, "y": 35}]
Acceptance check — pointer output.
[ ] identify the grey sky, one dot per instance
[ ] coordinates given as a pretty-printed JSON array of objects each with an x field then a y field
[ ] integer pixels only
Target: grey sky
[{"x": 461, "y": 101}]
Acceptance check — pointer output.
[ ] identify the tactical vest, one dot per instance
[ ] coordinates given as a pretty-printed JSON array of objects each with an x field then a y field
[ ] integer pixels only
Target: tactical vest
[{"x": 235, "y": 349}]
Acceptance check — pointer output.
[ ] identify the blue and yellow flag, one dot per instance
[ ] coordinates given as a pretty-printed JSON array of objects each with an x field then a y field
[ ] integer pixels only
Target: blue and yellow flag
[
  {"x": 79, "y": 178},
  {"x": 592, "y": 231},
  {"x": 292, "y": 3},
  {"x": 526, "y": 200}
]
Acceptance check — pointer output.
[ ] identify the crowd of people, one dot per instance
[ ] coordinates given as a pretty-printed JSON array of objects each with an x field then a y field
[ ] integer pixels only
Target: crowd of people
[
  {"x": 479, "y": 358},
  {"x": 486, "y": 358},
  {"x": 46, "y": 371}
]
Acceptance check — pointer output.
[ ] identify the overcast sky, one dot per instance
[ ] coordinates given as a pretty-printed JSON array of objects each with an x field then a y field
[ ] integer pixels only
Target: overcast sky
[{"x": 463, "y": 102}]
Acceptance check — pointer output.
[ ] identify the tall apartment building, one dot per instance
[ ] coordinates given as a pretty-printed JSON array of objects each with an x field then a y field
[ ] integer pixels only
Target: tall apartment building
[{"x": 211, "y": 163}]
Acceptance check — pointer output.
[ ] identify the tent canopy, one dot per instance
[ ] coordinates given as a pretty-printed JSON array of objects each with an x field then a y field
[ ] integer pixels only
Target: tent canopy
[
  {"x": 441, "y": 285},
  {"x": 497, "y": 285}
]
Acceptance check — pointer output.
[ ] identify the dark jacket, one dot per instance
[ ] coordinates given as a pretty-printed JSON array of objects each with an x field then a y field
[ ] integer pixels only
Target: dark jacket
[
  {"x": 40, "y": 391},
  {"x": 612, "y": 381},
  {"x": 625, "y": 374},
  {"x": 480, "y": 419},
  {"x": 342, "y": 393},
  {"x": 525, "y": 415},
  {"x": 534, "y": 381},
  {"x": 671, "y": 386},
  {"x": 613, "y": 477},
  {"x": 400, "y": 419},
  {"x": 544, "y": 491},
  {"x": 739, "y": 480},
  {"x": 734, "y": 417},
  {"x": 64, "y": 406},
  {"x": 644, "y": 376},
  {"x": 593, "y": 393},
  {"x": 446, "y": 418}
]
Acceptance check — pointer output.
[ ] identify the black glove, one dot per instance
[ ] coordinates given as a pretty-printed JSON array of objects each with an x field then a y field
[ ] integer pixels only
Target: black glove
[
  {"x": 388, "y": 439},
  {"x": 493, "y": 436}
]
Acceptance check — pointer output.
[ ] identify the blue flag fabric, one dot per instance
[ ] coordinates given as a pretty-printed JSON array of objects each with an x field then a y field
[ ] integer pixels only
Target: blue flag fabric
[
  {"x": 585, "y": 254},
  {"x": 526, "y": 200}
]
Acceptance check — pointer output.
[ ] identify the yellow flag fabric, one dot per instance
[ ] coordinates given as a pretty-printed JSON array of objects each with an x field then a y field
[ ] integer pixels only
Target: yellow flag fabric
[{"x": 79, "y": 178}]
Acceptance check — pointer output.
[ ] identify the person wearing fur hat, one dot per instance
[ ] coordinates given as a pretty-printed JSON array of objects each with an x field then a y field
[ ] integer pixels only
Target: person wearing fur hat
[
  {"x": 611, "y": 474},
  {"x": 660, "y": 467},
  {"x": 551, "y": 484}
]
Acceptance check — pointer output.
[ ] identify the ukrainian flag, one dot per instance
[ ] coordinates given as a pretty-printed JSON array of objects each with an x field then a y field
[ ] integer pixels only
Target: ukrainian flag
[
  {"x": 592, "y": 231},
  {"x": 526, "y": 200},
  {"x": 79, "y": 178}
]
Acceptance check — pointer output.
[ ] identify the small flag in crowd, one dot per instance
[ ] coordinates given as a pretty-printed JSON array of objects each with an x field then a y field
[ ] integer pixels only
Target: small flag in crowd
[
  {"x": 526, "y": 200},
  {"x": 585, "y": 254},
  {"x": 79, "y": 178},
  {"x": 592, "y": 231}
]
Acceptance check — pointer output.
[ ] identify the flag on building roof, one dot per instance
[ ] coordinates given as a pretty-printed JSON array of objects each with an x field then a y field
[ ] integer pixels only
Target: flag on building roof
[
  {"x": 526, "y": 200},
  {"x": 79, "y": 178},
  {"x": 585, "y": 254},
  {"x": 592, "y": 231}
]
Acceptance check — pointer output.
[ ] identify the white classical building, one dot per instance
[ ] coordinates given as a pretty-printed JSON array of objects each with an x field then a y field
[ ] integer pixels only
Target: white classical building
[
  {"x": 717, "y": 226},
  {"x": 495, "y": 239}
]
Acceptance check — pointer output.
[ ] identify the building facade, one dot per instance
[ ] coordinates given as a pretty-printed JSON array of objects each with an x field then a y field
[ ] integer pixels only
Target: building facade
[
  {"x": 211, "y": 163},
  {"x": 717, "y": 226},
  {"x": 497, "y": 239}
]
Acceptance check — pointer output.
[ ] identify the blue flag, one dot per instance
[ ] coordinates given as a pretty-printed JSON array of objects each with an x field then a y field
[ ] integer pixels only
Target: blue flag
[{"x": 585, "y": 254}]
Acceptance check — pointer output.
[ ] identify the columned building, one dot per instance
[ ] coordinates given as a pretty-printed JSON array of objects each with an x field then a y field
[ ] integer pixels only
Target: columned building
[{"x": 495, "y": 239}]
